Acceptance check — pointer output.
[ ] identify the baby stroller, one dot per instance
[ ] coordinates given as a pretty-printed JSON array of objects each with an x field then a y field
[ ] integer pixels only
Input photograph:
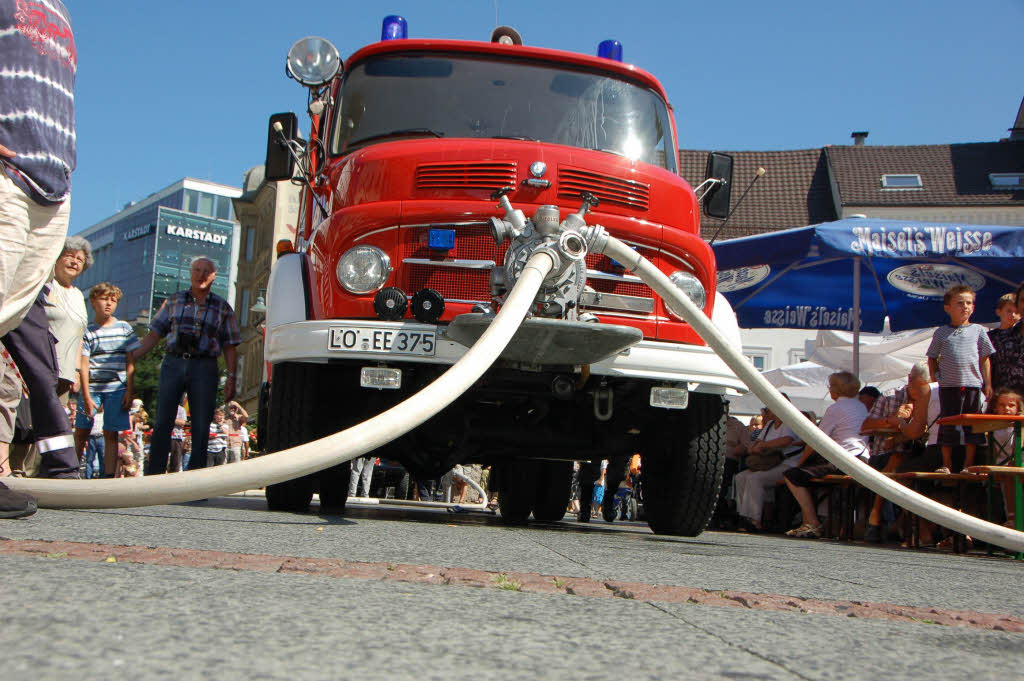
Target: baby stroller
[{"x": 625, "y": 501}]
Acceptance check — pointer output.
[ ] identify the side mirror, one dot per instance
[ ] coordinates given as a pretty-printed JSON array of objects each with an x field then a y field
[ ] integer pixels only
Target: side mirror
[
  {"x": 280, "y": 164},
  {"x": 716, "y": 199}
]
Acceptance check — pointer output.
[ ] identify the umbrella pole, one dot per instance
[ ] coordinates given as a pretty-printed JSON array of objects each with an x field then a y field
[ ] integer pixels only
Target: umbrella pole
[{"x": 856, "y": 317}]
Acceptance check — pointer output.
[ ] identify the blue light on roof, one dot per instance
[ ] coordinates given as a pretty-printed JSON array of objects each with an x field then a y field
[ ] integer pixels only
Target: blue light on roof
[
  {"x": 441, "y": 239},
  {"x": 394, "y": 27},
  {"x": 610, "y": 49}
]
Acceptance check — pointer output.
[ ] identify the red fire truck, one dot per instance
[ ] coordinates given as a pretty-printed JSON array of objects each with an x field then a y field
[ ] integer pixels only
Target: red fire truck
[{"x": 420, "y": 157}]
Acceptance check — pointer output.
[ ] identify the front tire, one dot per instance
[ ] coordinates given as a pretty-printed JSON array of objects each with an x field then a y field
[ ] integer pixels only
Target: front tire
[
  {"x": 682, "y": 469},
  {"x": 333, "y": 485},
  {"x": 515, "y": 491},
  {"x": 554, "y": 488},
  {"x": 291, "y": 421}
]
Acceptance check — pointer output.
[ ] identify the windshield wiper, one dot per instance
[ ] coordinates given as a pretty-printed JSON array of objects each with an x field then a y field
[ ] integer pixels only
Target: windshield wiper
[
  {"x": 514, "y": 137},
  {"x": 407, "y": 132}
]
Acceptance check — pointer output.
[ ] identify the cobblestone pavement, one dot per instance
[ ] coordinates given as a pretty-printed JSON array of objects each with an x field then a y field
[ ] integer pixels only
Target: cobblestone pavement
[{"x": 227, "y": 588}]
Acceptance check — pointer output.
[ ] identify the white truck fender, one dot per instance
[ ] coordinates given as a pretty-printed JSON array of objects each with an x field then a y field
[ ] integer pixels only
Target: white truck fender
[
  {"x": 287, "y": 291},
  {"x": 724, "y": 319}
]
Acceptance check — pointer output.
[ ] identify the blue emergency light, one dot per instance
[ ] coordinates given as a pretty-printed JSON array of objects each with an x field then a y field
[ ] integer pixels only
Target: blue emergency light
[
  {"x": 394, "y": 28},
  {"x": 441, "y": 239},
  {"x": 610, "y": 49}
]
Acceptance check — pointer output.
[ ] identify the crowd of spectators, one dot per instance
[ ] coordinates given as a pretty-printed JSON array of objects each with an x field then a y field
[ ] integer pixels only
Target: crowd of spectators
[{"x": 968, "y": 369}]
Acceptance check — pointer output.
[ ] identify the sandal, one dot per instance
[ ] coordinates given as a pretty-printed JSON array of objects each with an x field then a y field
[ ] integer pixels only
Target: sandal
[
  {"x": 809, "y": 532},
  {"x": 942, "y": 470},
  {"x": 806, "y": 531}
]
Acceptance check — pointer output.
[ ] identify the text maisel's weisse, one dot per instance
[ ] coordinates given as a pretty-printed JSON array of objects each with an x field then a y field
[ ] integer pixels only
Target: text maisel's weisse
[
  {"x": 810, "y": 317},
  {"x": 921, "y": 241}
]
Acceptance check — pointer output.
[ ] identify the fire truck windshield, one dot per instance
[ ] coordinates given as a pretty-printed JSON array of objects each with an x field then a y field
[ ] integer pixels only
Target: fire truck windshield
[{"x": 458, "y": 96}]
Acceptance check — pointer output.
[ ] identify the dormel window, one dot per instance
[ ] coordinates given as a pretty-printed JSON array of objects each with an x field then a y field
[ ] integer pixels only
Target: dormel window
[
  {"x": 1006, "y": 181},
  {"x": 894, "y": 181}
]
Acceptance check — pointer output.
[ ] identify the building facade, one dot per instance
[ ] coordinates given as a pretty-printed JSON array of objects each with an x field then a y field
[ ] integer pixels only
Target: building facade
[
  {"x": 147, "y": 248},
  {"x": 268, "y": 212}
]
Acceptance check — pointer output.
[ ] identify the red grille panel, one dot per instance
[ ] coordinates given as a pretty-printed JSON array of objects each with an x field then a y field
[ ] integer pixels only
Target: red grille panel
[
  {"x": 572, "y": 181},
  {"x": 451, "y": 282},
  {"x": 474, "y": 242},
  {"x": 465, "y": 175}
]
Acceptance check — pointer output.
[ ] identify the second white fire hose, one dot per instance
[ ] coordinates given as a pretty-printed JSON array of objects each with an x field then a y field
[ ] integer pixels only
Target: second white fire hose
[
  {"x": 900, "y": 495},
  {"x": 313, "y": 456}
]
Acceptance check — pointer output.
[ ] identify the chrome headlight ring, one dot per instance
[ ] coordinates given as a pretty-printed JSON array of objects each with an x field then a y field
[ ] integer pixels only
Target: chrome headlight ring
[
  {"x": 691, "y": 286},
  {"x": 363, "y": 269}
]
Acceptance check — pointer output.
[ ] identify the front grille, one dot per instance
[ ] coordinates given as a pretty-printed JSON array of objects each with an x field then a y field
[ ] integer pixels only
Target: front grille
[
  {"x": 572, "y": 182},
  {"x": 452, "y": 283},
  {"x": 465, "y": 175},
  {"x": 602, "y": 263},
  {"x": 473, "y": 242}
]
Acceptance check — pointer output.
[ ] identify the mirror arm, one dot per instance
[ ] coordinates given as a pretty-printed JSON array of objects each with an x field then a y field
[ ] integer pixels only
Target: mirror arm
[
  {"x": 758, "y": 174},
  {"x": 712, "y": 182},
  {"x": 283, "y": 140}
]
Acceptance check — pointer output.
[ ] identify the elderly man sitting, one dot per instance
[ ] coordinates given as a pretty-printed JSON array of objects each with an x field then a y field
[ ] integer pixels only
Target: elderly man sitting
[{"x": 897, "y": 416}]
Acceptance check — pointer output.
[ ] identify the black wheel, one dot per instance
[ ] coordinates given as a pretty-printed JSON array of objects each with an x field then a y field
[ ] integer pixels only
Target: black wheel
[
  {"x": 683, "y": 466},
  {"x": 290, "y": 422},
  {"x": 333, "y": 486},
  {"x": 553, "y": 481},
  {"x": 516, "y": 485}
]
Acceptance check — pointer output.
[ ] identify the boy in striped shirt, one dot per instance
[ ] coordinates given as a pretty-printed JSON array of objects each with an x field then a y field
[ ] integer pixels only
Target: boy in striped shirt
[{"x": 108, "y": 371}]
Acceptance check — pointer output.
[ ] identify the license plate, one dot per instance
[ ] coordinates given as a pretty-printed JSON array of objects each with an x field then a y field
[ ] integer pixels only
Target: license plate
[{"x": 375, "y": 339}]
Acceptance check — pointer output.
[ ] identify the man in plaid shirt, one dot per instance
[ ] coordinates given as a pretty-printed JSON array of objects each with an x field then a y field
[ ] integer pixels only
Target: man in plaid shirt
[
  {"x": 199, "y": 325},
  {"x": 889, "y": 453}
]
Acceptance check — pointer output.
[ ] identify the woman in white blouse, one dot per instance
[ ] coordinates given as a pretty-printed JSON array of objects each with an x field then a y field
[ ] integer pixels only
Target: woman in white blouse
[
  {"x": 66, "y": 313},
  {"x": 753, "y": 486},
  {"x": 842, "y": 422}
]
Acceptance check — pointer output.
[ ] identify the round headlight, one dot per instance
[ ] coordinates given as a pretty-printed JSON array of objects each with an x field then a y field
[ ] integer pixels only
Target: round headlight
[
  {"x": 363, "y": 269},
  {"x": 691, "y": 286},
  {"x": 313, "y": 61}
]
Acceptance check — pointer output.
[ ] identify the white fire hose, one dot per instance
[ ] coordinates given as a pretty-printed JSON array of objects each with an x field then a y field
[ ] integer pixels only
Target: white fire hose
[
  {"x": 369, "y": 435},
  {"x": 780, "y": 406},
  {"x": 313, "y": 456}
]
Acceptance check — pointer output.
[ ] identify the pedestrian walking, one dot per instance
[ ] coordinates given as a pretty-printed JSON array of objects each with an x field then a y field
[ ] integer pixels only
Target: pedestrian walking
[{"x": 37, "y": 156}]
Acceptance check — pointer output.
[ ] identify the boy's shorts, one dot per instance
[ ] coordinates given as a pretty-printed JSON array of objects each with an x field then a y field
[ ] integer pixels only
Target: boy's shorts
[
  {"x": 954, "y": 401},
  {"x": 115, "y": 417}
]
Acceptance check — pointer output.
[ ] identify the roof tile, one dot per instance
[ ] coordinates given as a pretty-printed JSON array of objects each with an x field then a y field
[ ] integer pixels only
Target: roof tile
[
  {"x": 794, "y": 191},
  {"x": 951, "y": 174}
]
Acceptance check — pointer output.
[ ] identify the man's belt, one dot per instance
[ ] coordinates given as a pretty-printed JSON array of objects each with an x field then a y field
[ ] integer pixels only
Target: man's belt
[{"x": 191, "y": 355}]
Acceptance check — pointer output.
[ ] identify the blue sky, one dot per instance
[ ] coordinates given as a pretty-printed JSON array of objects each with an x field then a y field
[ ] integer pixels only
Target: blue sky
[{"x": 173, "y": 89}]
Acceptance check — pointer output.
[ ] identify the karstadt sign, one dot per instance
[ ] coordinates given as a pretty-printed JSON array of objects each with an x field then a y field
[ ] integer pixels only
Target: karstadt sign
[{"x": 197, "y": 234}]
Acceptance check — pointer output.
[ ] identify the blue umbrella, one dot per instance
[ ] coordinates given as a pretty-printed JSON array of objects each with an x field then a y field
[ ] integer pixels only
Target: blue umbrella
[{"x": 853, "y": 274}]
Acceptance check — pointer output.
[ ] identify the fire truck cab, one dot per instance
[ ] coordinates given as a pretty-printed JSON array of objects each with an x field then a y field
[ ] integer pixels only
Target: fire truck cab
[{"x": 422, "y": 158}]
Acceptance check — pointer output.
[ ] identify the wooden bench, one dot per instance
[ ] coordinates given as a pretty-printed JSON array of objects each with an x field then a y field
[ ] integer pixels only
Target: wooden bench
[
  {"x": 986, "y": 423},
  {"x": 993, "y": 473},
  {"x": 958, "y": 481},
  {"x": 842, "y": 505},
  {"x": 842, "y": 492}
]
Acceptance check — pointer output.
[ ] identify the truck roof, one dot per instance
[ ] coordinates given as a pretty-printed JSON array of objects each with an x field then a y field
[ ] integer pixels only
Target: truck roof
[{"x": 628, "y": 71}]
